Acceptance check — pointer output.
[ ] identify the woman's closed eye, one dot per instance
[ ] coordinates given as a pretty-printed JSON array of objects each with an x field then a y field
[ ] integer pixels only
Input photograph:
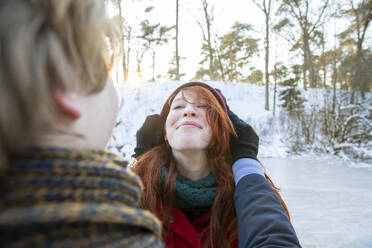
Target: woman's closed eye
[
  {"x": 178, "y": 107},
  {"x": 202, "y": 106}
]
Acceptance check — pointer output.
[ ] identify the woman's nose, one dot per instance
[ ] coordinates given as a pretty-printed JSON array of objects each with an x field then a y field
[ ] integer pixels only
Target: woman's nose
[{"x": 189, "y": 111}]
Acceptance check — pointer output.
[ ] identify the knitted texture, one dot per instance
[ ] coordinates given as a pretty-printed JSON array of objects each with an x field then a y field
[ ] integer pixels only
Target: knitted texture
[
  {"x": 59, "y": 198},
  {"x": 193, "y": 194}
]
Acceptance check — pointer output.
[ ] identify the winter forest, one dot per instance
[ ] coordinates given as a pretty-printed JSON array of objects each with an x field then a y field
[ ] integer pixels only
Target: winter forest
[
  {"x": 298, "y": 71},
  {"x": 286, "y": 47}
]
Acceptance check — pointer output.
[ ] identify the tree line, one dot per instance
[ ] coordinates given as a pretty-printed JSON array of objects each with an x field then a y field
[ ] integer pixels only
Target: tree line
[{"x": 321, "y": 54}]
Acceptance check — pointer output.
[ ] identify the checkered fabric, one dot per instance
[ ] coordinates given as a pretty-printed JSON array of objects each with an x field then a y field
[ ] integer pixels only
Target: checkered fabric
[{"x": 54, "y": 197}]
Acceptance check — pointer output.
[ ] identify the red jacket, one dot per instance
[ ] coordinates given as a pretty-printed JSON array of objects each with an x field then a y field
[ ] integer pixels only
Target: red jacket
[{"x": 185, "y": 234}]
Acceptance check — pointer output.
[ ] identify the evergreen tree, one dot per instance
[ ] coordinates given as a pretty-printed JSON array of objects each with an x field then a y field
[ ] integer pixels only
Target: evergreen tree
[
  {"x": 360, "y": 13},
  {"x": 256, "y": 76},
  {"x": 235, "y": 50},
  {"x": 308, "y": 17},
  {"x": 291, "y": 97},
  {"x": 265, "y": 6},
  {"x": 173, "y": 73},
  {"x": 231, "y": 55},
  {"x": 154, "y": 35}
]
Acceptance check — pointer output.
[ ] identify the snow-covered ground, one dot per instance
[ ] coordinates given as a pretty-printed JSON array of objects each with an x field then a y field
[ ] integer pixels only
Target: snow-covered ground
[
  {"x": 328, "y": 197},
  {"x": 246, "y": 100}
]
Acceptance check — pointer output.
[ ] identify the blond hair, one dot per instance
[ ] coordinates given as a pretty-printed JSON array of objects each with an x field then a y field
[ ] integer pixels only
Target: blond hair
[{"x": 47, "y": 44}]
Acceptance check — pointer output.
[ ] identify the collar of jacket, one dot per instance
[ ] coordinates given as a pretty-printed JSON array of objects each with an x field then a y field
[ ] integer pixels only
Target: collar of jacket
[{"x": 189, "y": 231}]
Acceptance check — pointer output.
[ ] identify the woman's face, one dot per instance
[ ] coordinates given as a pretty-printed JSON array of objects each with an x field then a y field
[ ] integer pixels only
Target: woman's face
[{"x": 186, "y": 126}]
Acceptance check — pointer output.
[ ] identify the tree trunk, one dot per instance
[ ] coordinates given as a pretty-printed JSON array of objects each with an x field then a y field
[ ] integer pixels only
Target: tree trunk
[
  {"x": 220, "y": 64},
  {"x": 153, "y": 65},
  {"x": 361, "y": 29},
  {"x": 304, "y": 69},
  {"x": 334, "y": 85},
  {"x": 267, "y": 14},
  {"x": 117, "y": 76},
  {"x": 275, "y": 78},
  {"x": 126, "y": 72},
  {"x": 177, "y": 56},
  {"x": 300, "y": 11},
  {"x": 211, "y": 70},
  {"x": 324, "y": 63},
  {"x": 352, "y": 98},
  {"x": 122, "y": 48},
  {"x": 334, "y": 79},
  {"x": 266, "y": 9},
  {"x": 138, "y": 69},
  {"x": 309, "y": 60},
  {"x": 209, "y": 42},
  {"x": 324, "y": 77}
]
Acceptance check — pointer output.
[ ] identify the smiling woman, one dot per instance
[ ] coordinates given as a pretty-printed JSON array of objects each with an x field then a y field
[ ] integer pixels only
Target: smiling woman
[
  {"x": 187, "y": 126},
  {"x": 187, "y": 180},
  {"x": 181, "y": 175}
]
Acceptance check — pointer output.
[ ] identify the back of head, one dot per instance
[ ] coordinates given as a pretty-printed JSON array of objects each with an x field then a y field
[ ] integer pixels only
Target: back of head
[{"x": 46, "y": 45}]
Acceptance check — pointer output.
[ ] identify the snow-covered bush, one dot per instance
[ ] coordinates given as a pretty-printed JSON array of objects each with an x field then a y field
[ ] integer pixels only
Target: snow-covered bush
[{"x": 345, "y": 129}]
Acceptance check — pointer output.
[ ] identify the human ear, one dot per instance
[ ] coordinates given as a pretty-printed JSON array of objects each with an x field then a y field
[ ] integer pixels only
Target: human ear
[{"x": 67, "y": 105}]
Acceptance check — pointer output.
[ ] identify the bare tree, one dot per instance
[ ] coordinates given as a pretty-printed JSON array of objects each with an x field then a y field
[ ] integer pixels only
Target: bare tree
[
  {"x": 154, "y": 35},
  {"x": 334, "y": 67},
  {"x": 308, "y": 22},
  {"x": 323, "y": 57},
  {"x": 275, "y": 72},
  {"x": 275, "y": 87},
  {"x": 207, "y": 37},
  {"x": 177, "y": 55},
  {"x": 265, "y": 6},
  {"x": 122, "y": 39},
  {"x": 139, "y": 58},
  {"x": 219, "y": 58},
  {"x": 129, "y": 30},
  {"x": 361, "y": 15}
]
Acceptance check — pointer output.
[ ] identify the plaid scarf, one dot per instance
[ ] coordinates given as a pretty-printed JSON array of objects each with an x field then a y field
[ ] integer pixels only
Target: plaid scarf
[{"x": 55, "y": 197}]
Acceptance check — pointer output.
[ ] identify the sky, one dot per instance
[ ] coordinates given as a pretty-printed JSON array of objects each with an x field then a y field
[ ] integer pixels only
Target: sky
[{"x": 190, "y": 35}]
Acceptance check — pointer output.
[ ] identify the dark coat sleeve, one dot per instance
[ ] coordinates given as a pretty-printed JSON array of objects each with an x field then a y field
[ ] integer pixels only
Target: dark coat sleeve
[{"x": 262, "y": 220}]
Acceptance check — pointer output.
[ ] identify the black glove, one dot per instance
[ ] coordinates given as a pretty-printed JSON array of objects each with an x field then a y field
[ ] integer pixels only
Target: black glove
[
  {"x": 149, "y": 135},
  {"x": 246, "y": 144}
]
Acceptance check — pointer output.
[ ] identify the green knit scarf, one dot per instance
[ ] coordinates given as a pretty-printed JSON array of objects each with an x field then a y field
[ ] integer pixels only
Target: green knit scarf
[
  {"x": 54, "y": 197},
  {"x": 193, "y": 194}
]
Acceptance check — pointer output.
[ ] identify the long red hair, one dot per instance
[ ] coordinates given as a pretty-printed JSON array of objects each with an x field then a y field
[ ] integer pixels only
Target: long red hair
[{"x": 157, "y": 195}]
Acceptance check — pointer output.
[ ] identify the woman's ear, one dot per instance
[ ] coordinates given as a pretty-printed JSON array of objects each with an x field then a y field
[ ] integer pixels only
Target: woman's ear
[{"x": 67, "y": 105}]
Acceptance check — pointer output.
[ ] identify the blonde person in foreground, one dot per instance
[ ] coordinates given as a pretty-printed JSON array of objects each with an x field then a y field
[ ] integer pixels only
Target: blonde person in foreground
[{"x": 59, "y": 188}]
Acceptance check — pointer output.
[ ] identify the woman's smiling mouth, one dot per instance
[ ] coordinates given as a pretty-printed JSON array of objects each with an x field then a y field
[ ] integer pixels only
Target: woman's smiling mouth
[{"x": 190, "y": 123}]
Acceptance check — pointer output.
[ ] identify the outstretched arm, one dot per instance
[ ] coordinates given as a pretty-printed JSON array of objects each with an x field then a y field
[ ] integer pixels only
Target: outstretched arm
[{"x": 262, "y": 220}]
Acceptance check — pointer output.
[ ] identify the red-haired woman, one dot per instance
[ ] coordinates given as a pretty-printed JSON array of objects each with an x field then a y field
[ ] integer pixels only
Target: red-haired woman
[{"x": 182, "y": 158}]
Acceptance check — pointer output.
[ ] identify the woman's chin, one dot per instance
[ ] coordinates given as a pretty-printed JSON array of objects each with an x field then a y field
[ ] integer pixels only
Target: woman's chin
[{"x": 190, "y": 146}]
